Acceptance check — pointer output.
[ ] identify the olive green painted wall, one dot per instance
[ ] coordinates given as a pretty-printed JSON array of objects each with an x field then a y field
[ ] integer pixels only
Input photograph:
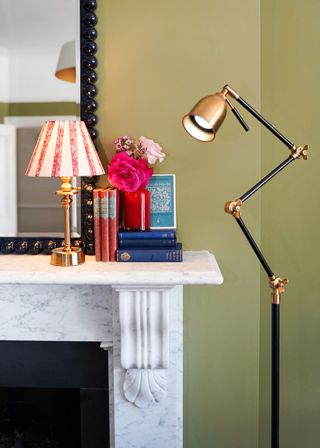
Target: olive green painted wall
[
  {"x": 3, "y": 111},
  {"x": 37, "y": 109},
  {"x": 290, "y": 235},
  {"x": 25, "y": 109},
  {"x": 155, "y": 60}
]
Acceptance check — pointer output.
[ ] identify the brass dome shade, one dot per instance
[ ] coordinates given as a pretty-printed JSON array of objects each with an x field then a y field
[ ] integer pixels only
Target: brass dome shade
[{"x": 206, "y": 117}]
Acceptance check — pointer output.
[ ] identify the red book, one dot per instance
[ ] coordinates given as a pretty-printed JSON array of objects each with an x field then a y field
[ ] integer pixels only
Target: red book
[
  {"x": 104, "y": 219},
  {"x": 96, "y": 222},
  {"x": 113, "y": 222}
]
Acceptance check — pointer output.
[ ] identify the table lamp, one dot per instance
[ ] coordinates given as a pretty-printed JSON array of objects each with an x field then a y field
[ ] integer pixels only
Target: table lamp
[
  {"x": 65, "y": 149},
  {"x": 202, "y": 123}
]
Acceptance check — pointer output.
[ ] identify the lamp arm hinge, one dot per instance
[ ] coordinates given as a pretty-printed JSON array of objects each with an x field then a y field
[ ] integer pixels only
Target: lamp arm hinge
[
  {"x": 233, "y": 208},
  {"x": 229, "y": 90},
  {"x": 300, "y": 153},
  {"x": 277, "y": 285}
]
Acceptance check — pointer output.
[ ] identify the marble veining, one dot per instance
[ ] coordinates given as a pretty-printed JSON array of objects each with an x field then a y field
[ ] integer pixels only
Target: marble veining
[
  {"x": 197, "y": 268},
  {"x": 59, "y": 313}
]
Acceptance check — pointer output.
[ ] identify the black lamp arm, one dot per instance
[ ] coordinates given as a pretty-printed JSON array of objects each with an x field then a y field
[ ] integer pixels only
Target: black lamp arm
[
  {"x": 265, "y": 123},
  {"x": 254, "y": 246},
  {"x": 234, "y": 208},
  {"x": 238, "y": 116},
  {"x": 227, "y": 90},
  {"x": 266, "y": 179}
]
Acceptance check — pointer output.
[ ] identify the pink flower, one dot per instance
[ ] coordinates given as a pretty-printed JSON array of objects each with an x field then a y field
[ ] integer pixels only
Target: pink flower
[
  {"x": 124, "y": 143},
  {"x": 153, "y": 151},
  {"x": 127, "y": 173}
]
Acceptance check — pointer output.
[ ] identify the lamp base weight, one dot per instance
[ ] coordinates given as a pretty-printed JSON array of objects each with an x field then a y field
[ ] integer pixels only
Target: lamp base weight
[{"x": 62, "y": 257}]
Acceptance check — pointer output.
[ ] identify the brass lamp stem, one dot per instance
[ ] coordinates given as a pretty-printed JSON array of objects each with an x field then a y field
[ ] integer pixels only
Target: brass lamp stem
[
  {"x": 66, "y": 202},
  {"x": 66, "y": 191},
  {"x": 67, "y": 255}
]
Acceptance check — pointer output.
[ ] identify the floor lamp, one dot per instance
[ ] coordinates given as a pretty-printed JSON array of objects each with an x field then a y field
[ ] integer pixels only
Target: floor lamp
[{"x": 202, "y": 123}]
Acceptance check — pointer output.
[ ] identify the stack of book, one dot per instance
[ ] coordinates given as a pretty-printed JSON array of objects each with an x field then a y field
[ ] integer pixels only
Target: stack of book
[
  {"x": 106, "y": 223},
  {"x": 153, "y": 245}
]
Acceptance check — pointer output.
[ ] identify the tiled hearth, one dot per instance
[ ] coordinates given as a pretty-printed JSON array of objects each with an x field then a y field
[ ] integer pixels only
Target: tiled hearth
[{"x": 133, "y": 310}]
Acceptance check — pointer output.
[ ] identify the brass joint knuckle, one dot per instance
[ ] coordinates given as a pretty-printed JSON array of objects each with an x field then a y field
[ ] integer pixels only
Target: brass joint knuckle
[
  {"x": 300, "y": 153},
  {"x": 229, "y": 90},
  {"x": 66, "y": 201},
  {"x": 71, "y": 192},
  {"x": 233, "y": 208},
  {"x": 277, "y": 285}
]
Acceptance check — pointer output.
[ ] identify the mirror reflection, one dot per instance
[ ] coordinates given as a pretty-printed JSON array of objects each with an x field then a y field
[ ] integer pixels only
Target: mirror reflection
[{"x": 39, "y": 53}]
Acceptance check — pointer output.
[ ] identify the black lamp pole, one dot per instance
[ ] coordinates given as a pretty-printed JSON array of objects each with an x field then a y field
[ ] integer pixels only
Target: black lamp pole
[{"x": 203, "y": 123}]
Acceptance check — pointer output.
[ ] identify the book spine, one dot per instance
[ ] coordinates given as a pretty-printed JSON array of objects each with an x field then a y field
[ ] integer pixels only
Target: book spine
[
  {"x": 150, "y": 255},
  {"x": 96, "y": 223},
  {"x": 113, "y": 222},
  {"x": 152, "y": 234},
  {"x": 148, "y": 243},
  {"x": 104, "y": 217}
]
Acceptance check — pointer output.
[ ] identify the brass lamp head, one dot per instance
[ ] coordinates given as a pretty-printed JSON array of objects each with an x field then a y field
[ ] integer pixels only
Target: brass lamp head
[{"x": 206, "y": 117}]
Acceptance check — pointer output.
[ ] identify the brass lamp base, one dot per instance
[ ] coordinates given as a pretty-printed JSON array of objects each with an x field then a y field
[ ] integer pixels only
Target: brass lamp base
[{"x": 62, "y": 257}]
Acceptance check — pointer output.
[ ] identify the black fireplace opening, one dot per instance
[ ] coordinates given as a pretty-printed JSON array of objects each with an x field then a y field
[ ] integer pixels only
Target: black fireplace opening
[
  {"x": 39, "y": 418},
  {"x": 53, "y": 395}
]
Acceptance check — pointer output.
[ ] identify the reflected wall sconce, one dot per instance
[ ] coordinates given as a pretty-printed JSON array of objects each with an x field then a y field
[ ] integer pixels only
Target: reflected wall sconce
[
  {"x": 66, "y": 67},
  {"x": 203, "y": 123},
  {"x": 65, "y": 149}
]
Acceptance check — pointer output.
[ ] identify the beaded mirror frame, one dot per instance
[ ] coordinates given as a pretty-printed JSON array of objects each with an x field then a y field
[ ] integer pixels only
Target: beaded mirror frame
[{"x": 88, "y": 107}]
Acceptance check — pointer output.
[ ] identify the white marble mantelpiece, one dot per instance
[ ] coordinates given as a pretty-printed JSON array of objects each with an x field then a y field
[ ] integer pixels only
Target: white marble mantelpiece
[
  {"x": 197, "y": 268},
  {"x": 133, "y": 309}
]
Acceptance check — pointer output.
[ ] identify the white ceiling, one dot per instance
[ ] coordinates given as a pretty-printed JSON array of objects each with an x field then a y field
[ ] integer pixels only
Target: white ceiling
[{"x": 37, "y": 23}]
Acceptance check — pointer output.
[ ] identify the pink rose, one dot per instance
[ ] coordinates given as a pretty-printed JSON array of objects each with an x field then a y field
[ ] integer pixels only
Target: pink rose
[
  {"x": 153, "y": 151},
  {"x": 127, "y": 173}
]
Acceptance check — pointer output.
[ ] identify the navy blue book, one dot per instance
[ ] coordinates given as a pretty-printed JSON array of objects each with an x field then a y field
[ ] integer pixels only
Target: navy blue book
[
  {"x": 151, "y": 234},
  {"x": 165, "y": 254},
  {"x": 152, "y": 242}
]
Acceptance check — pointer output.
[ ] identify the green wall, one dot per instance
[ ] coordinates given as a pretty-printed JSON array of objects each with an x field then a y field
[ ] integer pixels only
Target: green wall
[
  {"x": 37, "y": 109},
  {"x": 290, "y": 236},
  {"x": 3, "y": 111},
  {"x": 155, "y": 60}
]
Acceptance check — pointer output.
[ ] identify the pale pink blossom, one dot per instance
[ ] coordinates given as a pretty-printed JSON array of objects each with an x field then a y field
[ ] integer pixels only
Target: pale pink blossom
[{"x": 153, "y": 151}]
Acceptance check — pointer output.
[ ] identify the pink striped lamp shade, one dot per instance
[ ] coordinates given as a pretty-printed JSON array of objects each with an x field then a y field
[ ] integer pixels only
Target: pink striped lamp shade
[{"x": 64, "y": 148}]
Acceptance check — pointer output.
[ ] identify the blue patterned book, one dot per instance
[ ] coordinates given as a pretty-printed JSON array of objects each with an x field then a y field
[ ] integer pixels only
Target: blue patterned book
[
  {"x": 169, "y": 254},
  {"x": 155, "y": 243},
  {"x": 163, "y": 201},
  {"x": 152, "y": 234}
]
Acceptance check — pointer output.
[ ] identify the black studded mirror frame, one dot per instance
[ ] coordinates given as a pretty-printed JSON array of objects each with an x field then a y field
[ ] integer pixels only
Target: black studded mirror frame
[{"x": 88, "y": 108}]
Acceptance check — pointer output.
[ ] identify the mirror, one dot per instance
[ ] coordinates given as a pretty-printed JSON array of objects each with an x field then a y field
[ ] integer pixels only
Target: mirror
[{"x": 32, "y": 34}]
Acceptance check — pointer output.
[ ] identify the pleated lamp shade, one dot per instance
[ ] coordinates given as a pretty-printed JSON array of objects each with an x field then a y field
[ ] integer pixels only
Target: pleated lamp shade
[{"x": 64, "y": 148}]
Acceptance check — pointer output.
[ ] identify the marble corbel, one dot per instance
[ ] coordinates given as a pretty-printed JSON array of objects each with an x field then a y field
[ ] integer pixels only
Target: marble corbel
[{"x": 144, "y": 335}]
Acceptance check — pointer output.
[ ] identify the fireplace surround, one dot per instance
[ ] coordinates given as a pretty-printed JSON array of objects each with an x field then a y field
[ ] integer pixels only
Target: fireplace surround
[{"x": 134, "y": 311}]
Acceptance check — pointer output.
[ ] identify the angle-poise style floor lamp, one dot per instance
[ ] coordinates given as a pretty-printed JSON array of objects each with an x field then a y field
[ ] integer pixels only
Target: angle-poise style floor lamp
[{"x": 203, "y": 122}]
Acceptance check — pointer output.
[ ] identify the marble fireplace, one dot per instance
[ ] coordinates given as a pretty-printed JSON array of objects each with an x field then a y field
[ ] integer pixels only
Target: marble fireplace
[{"x": 134, "y": 311}]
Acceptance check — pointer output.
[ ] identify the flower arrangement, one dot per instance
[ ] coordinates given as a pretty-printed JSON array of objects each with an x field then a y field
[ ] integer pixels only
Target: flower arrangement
[{"x": 129, "y": 168}]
